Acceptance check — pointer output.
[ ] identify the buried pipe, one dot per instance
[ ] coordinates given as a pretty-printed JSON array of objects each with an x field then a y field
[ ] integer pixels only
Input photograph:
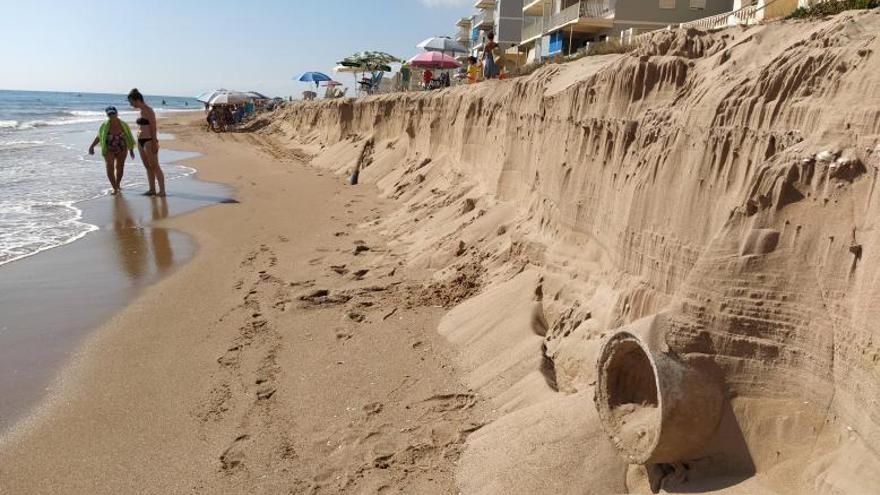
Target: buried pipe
[{"x": 655, "y": 408}]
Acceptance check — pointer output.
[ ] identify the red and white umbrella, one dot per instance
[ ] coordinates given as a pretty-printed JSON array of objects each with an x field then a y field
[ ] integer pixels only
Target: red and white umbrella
[
  {"x": 434, "y": 60},
  {"x": 331, "y": 83}
]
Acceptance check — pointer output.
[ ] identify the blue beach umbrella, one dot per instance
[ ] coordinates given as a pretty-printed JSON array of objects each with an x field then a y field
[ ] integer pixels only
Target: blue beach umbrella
[{"x": 315, "y": 77}]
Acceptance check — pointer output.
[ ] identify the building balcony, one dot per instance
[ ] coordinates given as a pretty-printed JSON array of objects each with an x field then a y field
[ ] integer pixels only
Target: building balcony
[
  {"x": 533, "y": 28},
  {"x": 485, "y": 20},
  {"x": 464, "y": 23},
  {"x": 534, "y": 7},
  {"x": 485, "y": 4},
  {"x": 584, "y": 16},
  {"x": 463, "y": 36}
]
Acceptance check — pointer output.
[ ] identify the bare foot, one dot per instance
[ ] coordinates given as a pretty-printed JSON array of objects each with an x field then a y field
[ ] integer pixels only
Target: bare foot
[
  {"x": 149, "y": 193},
  {"x": 113, "y": 192},
  {"x": 161, "y": 194}
]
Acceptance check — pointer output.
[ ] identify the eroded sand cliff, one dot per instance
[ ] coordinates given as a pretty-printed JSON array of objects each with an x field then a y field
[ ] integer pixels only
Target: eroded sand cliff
[{"x": 711, "y": 194}]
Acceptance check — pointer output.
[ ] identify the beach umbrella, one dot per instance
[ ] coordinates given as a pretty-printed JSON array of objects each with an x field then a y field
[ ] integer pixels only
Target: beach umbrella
[
  {"x": 351, "y": 69},
  {"x": 230, "y": 98},
  {"x": 370, "y": 60},
  {"x": 207, "y": 95},
  {"x": 315, "y": 77},
  {"x": 442, "y": 44},
  {"x": 257, "y": 95},
  {"x": 434, "y": 60}
]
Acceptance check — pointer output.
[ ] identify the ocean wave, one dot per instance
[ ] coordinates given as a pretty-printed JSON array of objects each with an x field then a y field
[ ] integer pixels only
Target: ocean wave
[
  {"x": 78, "y": 117},
  {"x": 16, "y": 145},
  {"x": 37, "y": 227},
  {"x": 85, "y": 113}
]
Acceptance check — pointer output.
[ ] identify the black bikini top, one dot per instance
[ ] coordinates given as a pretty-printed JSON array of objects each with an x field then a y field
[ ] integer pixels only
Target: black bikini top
[{"x": 142, "y": 121}]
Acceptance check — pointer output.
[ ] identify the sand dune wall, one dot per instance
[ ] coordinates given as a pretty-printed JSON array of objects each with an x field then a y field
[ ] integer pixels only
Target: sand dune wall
[{"x": 725, "y": 179}]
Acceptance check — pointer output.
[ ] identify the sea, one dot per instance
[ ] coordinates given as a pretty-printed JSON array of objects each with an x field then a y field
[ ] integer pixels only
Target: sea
[{"x": 46, "y": 172}]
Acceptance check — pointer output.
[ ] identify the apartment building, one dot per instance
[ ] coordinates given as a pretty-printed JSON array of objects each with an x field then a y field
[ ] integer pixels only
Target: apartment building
[
  {"x": 502, "y": 17},
  {"x": 553, "y": 27}
]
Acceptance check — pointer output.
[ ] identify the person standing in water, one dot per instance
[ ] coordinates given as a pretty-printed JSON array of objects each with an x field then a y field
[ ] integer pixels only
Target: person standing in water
[
  {"x": 115, "y": 139},
  {"x": 148, "y": 143}
]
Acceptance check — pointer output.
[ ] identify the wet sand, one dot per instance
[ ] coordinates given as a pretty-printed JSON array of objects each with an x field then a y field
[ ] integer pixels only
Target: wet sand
[{"x": 51, "y": 300}]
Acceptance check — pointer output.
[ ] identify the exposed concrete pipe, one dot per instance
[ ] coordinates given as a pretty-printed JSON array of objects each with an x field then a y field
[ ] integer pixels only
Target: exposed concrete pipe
[{"x": 655, "y": 408}]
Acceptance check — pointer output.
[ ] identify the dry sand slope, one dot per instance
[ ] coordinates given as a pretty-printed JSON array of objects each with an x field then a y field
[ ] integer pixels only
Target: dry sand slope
[{"x": 710, "y": 195}]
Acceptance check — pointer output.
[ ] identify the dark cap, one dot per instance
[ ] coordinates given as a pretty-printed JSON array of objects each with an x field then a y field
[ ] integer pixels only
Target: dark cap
[{"x": 110, "y": 110}]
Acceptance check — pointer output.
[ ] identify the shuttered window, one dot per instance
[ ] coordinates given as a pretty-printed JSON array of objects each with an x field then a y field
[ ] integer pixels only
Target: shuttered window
[{"x": 667, "y": 4}]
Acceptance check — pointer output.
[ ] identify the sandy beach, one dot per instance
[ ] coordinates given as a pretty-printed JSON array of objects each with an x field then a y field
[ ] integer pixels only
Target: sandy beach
[
  {"x": 641, "y": 272},
  {"x": 221, "y": 377}
]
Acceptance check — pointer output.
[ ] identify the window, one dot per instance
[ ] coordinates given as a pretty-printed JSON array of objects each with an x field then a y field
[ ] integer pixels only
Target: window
[
  {"x": 698, "y": 4},
  {"x": 667, "y": 4}
]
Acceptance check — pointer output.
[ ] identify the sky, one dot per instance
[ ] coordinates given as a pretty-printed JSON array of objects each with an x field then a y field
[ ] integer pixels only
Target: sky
[{"x": 185, "y": 47}]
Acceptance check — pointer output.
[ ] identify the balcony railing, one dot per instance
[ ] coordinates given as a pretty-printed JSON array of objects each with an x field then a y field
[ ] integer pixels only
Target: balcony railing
[
  {"x": 593, "y": 9},
  {"x": 486, "y": 18},
  {"x": 463, "y": 35},
  {"x": 750, "y": 14},
  {"x": 532, "y": 27},
  {"x": 747, "y": 15}
]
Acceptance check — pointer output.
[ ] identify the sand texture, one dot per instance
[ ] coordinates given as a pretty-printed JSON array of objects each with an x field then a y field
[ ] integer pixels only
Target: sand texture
[
  {"x": 712, "y": 194},
  {"x": 723, "y": 180}
]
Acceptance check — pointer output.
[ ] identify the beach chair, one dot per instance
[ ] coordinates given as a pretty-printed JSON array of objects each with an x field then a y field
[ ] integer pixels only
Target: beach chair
[
  {"x": 377, "y": 80},
  {"x": 371, "y": 85}
]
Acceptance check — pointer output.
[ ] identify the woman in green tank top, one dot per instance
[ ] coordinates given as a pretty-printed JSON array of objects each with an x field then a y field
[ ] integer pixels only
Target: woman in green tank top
[{"x": 115, "y": 139}]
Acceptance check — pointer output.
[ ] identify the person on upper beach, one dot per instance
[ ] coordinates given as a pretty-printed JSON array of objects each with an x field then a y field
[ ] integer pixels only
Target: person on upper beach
[
  {"x": 427, "y": 77},
  {"x": 148, "y": 143},
  {"x": 472, "y": 70},
  {"x": 490, "y": 69},
  {"x": 405, "y": 76},
  {"x": 115, "y": 139}
]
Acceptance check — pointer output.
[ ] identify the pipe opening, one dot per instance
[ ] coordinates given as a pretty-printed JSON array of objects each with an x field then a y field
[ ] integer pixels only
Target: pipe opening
[{"x": 632, "y": 397}]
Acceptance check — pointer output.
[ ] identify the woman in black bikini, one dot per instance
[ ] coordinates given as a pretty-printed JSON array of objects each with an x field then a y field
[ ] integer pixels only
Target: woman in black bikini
[
  {"x": 148, "y": 143},
  {"x": 115, "y": 139}
]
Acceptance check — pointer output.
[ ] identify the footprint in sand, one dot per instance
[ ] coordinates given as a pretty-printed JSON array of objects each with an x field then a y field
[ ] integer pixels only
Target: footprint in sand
[
  {"x": 233, "y": 456},
  {"x": 355, "y": 316},
  {"x": 441, "y": 403},
  {"x": 265, "y": 392},
  {"x": 230, "y": 357}
]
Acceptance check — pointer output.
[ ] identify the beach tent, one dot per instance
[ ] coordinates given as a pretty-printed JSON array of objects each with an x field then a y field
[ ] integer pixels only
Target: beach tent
[{"x": 442, "y": 44}]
